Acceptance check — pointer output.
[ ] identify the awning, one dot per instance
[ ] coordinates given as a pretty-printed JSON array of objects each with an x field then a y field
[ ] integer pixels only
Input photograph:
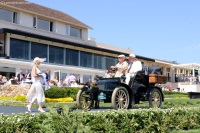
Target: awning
[{"x": 189, "y": 66}]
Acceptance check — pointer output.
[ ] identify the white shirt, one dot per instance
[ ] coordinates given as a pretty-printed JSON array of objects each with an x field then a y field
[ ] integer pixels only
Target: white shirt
[
  {"x": 136, "y": 66},
  {"x": 60, "y": 84},
  {"x": 121, "y": 68},
  {"x": 72, "y": 78}
]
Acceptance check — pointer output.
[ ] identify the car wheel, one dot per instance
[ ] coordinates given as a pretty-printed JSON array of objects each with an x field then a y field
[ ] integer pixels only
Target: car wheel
[
  {"x": 155, "y": 99},
  {"x": 120, "y": 98},
  {"x": 83, "y": 100}
]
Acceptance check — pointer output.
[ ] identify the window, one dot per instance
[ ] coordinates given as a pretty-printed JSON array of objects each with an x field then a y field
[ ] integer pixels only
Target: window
[
  {"x": 72, "y": 57},
  {"x": 42, "y": 24},
  {"x": 19, "y": 49},
  {"x": 110, "y": 61},
  {"x": 38, "y": 50},
  {"x": 68, "y": 30},
  {"x": 6, "y": 15},
  {"x": 168, "y": 70},
  {"x": 34, "y": 22},
  {"x": 63, "y": 75},
  {"x": 86, "y": 78},
  {"x": 142, "y": 63},
  {"x": 56, "y": 55},
  {"x": 181, "y": 71},
  {"x": 14, "y": 17},
  {"x": 86, "y": 59},
  {"x": 99, "y": 61},
  {"x": 51, "y": 26},
  {"x": 75, "y": 32}
]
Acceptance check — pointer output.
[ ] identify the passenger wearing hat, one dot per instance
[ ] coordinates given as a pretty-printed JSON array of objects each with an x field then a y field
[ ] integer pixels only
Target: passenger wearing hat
[
  {"x": 121, "y": 66},
  {"x": 133, "y": 67}
]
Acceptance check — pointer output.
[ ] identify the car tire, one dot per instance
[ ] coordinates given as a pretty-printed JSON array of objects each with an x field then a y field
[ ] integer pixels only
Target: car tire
[
  {"x": 155, "y": 99},
  {"x": 120, "y": 98},
  {"x": 83, "y": 100}
]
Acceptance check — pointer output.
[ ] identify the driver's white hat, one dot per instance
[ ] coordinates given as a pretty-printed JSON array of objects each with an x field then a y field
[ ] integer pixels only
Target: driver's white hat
[
  {"x": 132, "y": 55},
  {"x": 121, "y": 55}
]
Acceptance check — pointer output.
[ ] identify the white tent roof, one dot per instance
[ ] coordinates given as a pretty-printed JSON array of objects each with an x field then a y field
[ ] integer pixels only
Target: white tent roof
[{"x": 189, "y": 66}]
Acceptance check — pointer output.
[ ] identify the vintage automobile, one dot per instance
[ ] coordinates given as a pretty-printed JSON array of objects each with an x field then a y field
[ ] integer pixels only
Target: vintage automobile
[{"x": 114, "y": 90}]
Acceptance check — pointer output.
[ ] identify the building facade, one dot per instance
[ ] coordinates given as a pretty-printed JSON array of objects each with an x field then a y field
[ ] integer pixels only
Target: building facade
[{"x": 28, "y": 30}]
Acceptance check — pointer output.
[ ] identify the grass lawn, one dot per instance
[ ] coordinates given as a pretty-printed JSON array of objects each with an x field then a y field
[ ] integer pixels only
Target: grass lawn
[{"x": 168, "y": 103}]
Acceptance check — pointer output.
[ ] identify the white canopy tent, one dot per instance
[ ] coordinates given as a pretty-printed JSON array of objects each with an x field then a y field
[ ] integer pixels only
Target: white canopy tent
[{"x": 191, "y": 66}]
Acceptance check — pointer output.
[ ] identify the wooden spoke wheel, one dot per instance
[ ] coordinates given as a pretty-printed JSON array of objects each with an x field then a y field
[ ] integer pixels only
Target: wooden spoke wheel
[
  {"x": 155, "y": 99},
  {"x": 83, "y": 100},
  {"x": 120, "y": 98}
]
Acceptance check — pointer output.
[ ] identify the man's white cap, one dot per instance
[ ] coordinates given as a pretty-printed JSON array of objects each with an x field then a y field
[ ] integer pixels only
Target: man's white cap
[
  {"x": 132, "y": 55},
  {"x": 121, "y": 55}
]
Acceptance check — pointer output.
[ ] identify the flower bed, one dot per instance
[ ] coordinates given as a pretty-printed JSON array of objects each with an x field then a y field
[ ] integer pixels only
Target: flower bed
[
  {"x": 124, "y": 121},
  {"x": 23, "y": 99}
]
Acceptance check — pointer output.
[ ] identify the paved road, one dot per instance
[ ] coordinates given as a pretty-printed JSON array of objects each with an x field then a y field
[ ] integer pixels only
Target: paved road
[
  {"x": 16, "y": 110},
  {"x": 13, "y": 109}
]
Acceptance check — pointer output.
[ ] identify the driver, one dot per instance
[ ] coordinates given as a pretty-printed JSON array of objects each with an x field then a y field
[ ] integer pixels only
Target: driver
[
  {"x": 133, "y": 67},
  {"x": 121, "y": 66}
]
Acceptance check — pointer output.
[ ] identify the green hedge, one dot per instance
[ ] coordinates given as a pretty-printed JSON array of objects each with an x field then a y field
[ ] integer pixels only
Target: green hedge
[
  {"x": 125, "y": 121},
  {"x": 171, "y": 94},
  {"x": 58, "y": 92}
]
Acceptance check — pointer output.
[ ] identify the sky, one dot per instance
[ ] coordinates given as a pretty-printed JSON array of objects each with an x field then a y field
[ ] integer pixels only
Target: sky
[{"x": 161, "y": 29}]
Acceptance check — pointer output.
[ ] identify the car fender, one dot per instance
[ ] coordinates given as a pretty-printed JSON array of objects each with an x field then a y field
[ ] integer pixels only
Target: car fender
[{"x": 85, "y": 88}]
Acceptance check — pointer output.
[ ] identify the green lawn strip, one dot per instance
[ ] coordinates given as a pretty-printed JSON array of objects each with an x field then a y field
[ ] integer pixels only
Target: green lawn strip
[{"x": 168, "y": 103}]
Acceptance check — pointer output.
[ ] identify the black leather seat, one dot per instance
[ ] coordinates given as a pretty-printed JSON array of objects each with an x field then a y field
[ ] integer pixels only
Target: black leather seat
[{"x": 141, "y": 77}]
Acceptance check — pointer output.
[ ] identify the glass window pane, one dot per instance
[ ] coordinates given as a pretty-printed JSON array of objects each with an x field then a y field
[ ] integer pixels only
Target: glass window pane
[
  {"x": 56, "y": 55},
  {"x": 86, "y": 59},
  {"x": 75, "y": 32},
  {"x": 98, "y": 61},
  {"x": 38, "y": 50},
  {"x": 6, "y": 15},
  {"x": 68, "y": 30},
  {"x": 110, "y": 61},
  {"x": 72, "y": 57},
  {"x": 86, "y": 78},
  {"x": 19, "y": 49},
  {"x": 63, "y": 75},
  {"x": 43, "y": 24}
]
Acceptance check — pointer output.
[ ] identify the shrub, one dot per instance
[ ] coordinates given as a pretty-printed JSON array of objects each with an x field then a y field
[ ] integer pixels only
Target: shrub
[
  {"x": 57, "y": 92},
  {"x": 20, "y": 98},
  {"x": 122, "y": 121}
]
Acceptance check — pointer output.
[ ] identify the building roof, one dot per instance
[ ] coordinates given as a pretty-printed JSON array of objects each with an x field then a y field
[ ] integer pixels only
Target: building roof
[
  {"x": 44, "y": 11},
  {"x": 113, "y": 47}
]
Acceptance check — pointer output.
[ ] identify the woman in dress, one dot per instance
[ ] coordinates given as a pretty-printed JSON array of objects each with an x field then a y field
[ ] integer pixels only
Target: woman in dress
[{"x": 36, "y": 92}]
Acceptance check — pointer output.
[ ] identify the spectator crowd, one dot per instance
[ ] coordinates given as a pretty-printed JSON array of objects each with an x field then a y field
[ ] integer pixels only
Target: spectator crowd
[{"x": 24, "y": 79}]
